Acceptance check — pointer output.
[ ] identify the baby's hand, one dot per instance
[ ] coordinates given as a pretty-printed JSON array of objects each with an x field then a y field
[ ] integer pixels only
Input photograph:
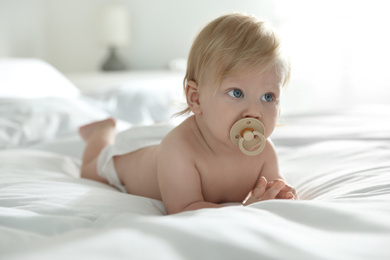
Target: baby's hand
[
  {"x": 287, "y": 192},
  {"x": 264, "y": 191}
]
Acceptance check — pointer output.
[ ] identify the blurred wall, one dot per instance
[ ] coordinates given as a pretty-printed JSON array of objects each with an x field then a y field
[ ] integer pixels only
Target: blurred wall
[
  {"x": 339, "y": 48},
  {"x": 22, "y": 28},
  {"x": 67, "y": 33}
]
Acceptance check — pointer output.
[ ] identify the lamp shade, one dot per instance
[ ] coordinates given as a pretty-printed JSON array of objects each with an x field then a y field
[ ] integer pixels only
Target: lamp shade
[{"x": 116, "y": 26}]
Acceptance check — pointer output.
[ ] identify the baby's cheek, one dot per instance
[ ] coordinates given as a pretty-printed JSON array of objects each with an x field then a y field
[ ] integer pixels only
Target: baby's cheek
[{"x": 269, "y": 131}]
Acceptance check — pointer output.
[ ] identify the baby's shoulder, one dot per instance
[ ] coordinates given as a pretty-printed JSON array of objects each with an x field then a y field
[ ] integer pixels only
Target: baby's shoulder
[
  {"x": 269, "y": 150},
  {"x": 181, "y": 139}
]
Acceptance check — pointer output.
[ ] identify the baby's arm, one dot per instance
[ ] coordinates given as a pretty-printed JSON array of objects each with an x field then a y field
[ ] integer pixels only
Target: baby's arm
[
  {"x": 179, "y": 179},
  {"x": 272, "y": 174}
]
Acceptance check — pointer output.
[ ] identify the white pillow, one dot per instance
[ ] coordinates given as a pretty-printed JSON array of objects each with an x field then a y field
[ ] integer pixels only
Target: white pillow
[
  {"x": 27, "y": 121},
  {"x": 33, "y": 78},
  {"x": 145, "y": 100}
]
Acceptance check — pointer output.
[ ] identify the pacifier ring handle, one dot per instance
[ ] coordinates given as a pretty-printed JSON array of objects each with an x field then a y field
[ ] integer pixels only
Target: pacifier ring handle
[{"x": 255, "y": 152}]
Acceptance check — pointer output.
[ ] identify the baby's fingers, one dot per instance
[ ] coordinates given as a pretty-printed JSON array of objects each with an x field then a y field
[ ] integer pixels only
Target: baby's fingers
[
  {"x": 273, "y": 191},
  {"x": 288, "y": 192},
  {"x": 257, "y": 192}
]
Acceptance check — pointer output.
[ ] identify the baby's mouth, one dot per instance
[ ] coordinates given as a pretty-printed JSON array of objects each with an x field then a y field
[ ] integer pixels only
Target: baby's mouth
[{"x": 248, "y": 134}]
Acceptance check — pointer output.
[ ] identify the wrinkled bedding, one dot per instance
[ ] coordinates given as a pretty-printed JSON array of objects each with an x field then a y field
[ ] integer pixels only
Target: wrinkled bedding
[{"x": 339, "y": 163}]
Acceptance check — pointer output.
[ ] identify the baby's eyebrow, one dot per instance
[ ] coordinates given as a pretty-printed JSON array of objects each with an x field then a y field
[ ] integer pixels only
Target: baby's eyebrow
[{"x": 274, "y": 88}]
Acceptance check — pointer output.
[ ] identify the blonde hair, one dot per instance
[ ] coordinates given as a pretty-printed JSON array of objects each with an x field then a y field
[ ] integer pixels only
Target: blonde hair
[{"x": 234, "y": 43}]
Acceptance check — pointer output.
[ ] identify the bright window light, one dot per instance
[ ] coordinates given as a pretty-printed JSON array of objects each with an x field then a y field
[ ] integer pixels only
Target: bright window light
[{"x": 340, "y": 52}]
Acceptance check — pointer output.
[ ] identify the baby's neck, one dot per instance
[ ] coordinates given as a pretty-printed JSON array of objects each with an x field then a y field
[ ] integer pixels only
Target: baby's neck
[{"x": 219, "y": 148}]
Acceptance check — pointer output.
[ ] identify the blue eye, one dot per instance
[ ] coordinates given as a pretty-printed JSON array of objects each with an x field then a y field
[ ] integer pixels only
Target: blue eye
[
  {"x": 267, "y": 97},
  {"x": 236, "y": 93}
]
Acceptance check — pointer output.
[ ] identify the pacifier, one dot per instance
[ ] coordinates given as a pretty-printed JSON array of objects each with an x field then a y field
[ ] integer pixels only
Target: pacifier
[{"x": 248, "y": 133}]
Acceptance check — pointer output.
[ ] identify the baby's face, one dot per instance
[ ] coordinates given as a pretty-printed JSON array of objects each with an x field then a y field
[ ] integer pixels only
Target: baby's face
[{"x": 250, "y": 95}]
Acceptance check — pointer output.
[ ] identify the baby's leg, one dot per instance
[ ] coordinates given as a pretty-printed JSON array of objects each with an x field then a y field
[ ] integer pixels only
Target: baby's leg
[{"x": 97, "y": 135}]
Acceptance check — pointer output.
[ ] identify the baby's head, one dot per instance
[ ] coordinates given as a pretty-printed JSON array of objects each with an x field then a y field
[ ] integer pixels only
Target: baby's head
[{"x": 234, "y": 44}]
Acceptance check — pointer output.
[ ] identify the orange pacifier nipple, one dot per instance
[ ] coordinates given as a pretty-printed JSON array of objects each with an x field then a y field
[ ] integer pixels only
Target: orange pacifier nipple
[{"x": 248, "y": 133}]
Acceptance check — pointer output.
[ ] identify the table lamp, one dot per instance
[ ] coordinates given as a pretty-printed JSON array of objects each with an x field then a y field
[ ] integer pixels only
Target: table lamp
[{"x": 116, "y": 34}]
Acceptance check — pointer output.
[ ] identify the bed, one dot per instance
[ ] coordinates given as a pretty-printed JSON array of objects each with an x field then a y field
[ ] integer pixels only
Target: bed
[{"x": 338, "y": 161}]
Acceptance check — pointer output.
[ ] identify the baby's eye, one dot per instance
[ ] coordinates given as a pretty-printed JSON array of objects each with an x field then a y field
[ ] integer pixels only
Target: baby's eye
[
  {"x": 236, "y": 93},
  {"x": 268, "y": 97}
]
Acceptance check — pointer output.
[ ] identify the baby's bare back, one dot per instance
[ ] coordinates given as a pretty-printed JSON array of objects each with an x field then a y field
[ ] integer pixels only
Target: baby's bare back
[{"x": 138, "y": 172}]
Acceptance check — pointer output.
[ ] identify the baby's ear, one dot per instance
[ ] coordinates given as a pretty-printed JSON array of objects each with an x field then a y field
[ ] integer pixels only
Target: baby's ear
[{"x": 192, "y": 95}]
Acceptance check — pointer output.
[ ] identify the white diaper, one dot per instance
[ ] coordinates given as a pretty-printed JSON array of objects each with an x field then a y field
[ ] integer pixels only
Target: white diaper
[{"x": 128, "y": 141}]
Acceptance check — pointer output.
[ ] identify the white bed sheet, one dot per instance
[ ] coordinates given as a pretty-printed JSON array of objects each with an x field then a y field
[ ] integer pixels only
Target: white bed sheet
[
  {"x": 344, "y": 211},
  {"x": 339, "y": 163}
]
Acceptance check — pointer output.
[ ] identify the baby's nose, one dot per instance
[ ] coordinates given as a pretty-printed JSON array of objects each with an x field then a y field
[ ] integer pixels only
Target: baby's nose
[
  {"x": 252, "y": 111},
  {"x": 258, "y": 117}
]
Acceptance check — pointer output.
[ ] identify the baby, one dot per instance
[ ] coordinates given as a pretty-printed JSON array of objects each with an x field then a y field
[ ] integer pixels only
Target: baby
[{"x": 235, "y": 71}]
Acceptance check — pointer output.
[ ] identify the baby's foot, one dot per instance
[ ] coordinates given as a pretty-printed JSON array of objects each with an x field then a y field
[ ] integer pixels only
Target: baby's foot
[{"x": 87, "y": 130}]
